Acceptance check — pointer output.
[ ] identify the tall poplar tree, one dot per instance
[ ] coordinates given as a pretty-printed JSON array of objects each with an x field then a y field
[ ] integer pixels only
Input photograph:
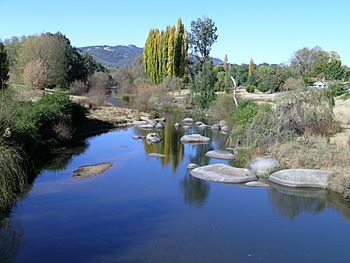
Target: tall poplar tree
[
  {"x": 165, "y": 53},
  {"x": 251, "y": 68}
]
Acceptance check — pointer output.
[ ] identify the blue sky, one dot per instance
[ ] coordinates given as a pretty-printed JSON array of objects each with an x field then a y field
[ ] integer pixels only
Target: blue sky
[{"x": 267, "y": 31}]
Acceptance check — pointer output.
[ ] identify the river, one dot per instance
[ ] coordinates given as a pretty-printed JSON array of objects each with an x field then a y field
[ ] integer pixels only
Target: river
[{"x": 149, "y": 209}]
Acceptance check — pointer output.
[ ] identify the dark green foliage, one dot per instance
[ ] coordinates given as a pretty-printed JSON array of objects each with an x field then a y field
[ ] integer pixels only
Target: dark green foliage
[
  {"x": 246, "y": 111},
  {"x": 250, "y": 88},
  {"x": 337, "y": 89},
  {"x": 203, "y": 36},
  {"x": 4, "y": 66},
  {"x": 203, "y": 91}
]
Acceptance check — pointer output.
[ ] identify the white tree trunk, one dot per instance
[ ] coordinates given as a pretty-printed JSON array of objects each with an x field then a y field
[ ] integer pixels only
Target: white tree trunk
[{"x": 234, "y": 91}]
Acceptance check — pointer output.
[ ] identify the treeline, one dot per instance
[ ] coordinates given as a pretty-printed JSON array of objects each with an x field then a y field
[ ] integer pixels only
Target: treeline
[
  {"x": 47, "y": 61},
  {"x": 165, "y": 53}
]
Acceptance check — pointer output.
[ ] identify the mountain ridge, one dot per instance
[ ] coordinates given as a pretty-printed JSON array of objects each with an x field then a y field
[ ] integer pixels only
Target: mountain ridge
[{"x": 118, "y": 55}]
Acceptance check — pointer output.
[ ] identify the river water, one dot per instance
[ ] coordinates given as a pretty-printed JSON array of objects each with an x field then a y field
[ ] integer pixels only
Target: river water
[{"x": 147, "y": 209}]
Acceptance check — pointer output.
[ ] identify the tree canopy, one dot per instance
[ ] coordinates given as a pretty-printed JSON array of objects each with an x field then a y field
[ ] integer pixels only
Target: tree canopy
[{"x": 203, "y": 36}]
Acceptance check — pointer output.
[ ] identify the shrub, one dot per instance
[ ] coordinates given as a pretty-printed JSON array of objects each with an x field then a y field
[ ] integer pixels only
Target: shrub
[
  {"x": 245, "y": 112},
  {"x": 78, "y": 87},
  {"x": 220, "y": 110},
  {"x": 150, "y": 97},
  {"x": 13, "y": 176},
  {"x": 99, "y": 83},
  {"x": 337, "y": 89},
  {"x": 250, "y": 88},
  {"x": 293, "y": 84}
]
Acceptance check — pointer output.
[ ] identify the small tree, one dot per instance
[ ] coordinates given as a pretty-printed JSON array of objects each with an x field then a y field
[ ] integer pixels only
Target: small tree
[
  {"x": 202, "y": 37},
  {"x": 4, "y": 66},
  {"x": 203, "y": 91}
]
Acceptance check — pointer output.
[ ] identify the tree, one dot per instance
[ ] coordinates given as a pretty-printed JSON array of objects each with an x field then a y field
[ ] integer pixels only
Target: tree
[
  {"x": 165, "y": 53},
  {"x": 226, "y": 65},
  {"x": 51, "y": 51},
  {"x": 203, "y": 36},
  {"x": 4, "y": 66},
  {"x": 265, "y": 78},
  {"x": 334, "y": 69},
  {"x": 308, "y": 62},
  {"x": 203, "y": 91},
  {"x": 251, "y": 68}
]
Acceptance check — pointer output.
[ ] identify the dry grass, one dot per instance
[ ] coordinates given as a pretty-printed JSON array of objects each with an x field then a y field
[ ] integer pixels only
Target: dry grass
[{"x": 341, "y": 111}]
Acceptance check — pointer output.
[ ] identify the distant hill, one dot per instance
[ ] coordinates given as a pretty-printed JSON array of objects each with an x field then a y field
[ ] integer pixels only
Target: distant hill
[
  {"x": 119, "y": 56},
  {"x": 113, "y": 56}
]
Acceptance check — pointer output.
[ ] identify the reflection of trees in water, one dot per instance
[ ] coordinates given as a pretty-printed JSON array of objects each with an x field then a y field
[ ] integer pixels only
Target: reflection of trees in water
[
  {"x": 339, "y": 204},
  {"x": 11, "y": 236},
  {"x": 195, "y": 190},
  {"x": 60, "y": 160},
  {"x": 170, "y": 146},
  {"x": 293, "y": 202}
]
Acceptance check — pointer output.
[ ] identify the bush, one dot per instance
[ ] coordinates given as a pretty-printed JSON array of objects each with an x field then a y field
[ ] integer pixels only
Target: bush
[
  {"x": 78, "y": 87},
  {"x": 293, "y": 84},
  {"x": 337, "y": 89},
  {"x": 99, "y": 83},
  {"x": 296, "y": 114},
  {"x": 250, "y": 88},
  {"x": 220, "y": 108},
  {"x": 150, "y": 97},
  {"x": 246, "y": 111}
]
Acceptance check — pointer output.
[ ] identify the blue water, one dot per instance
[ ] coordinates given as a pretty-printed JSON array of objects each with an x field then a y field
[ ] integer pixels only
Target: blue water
[{"x": 147, "y": 209}]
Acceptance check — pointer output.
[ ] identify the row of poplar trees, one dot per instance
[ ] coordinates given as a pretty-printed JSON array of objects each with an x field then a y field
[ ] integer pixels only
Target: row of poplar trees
[{"x": 165, "y": 53}]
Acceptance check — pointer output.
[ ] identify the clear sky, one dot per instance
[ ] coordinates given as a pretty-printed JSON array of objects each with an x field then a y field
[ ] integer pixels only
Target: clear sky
[{"x": 267, "y": 30}]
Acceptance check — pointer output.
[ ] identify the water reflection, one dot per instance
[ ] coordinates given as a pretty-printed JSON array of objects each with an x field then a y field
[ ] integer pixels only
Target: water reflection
[
  {"x": 11, "y": 236},
  {"x": 292, "y": 202},
  {"x": 195, "y": 190},
  {"x": 170, "y": 146}
]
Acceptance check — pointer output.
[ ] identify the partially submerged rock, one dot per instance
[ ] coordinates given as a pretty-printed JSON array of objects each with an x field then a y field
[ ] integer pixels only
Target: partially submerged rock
[
  {"x": 225, "y": 129},
  {"x": 156, "y": 155},
  {"x": 194, "y": 138},
  {"x": 137, "y": 137},
  {"x": 191, "y": 166},
  {"x": 177, "y": 125},
  {"x": 138, "y": 123},
  {"x": 153, "y": 138},
  {"x": 215, "y": 127},
  {"x": 188, "y": 121},
  {"x": 199, "y": 123},
  {"x": 146, "y": 126},
  {"x": 263, "y": 167},
  {"x": 257, "y": 184},
  {"x": 160, "y": 125},
  {"x": 91, "y": 170},
  {"x": 219, "y": 154},
  {"x": 301, "y": 178},
  {"x": 222, "y": 173}
]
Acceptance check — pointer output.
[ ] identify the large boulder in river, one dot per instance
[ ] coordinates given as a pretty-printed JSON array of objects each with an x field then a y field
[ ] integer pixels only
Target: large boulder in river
[
  {"x": 138, "y": 123},
  {"x": 91, "y": 170},
  {"x": 263, "y": 167},
  {"x": 222, "y": 173},
  {"x": 219, "y": 154},
  {"x": 153, "y": 138},
  {"x": 194, "y": 138},
  {"x": 301, "y": 178}
]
